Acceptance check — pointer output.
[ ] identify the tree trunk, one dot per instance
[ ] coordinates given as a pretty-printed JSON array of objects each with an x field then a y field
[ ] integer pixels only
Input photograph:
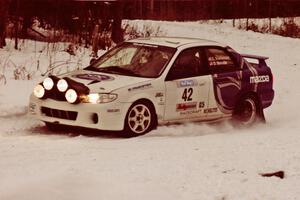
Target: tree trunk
[
  {"x": 17, "y": 24},
  {"x": 16, "y": 34},
  {"x": 270, "y": 16},
  {"x": 95, "y": 40},
  {"x": 117, "y": 32},
  {"x": 3, "y": 19},
  {"x": 26, "y": 12},
  {"x": 151, "y": 9}
]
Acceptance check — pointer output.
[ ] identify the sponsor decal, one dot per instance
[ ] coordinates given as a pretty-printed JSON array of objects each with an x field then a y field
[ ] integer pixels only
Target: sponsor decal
[
  {"x": 190, "y": 112},
  {"x": 159, "y": 94},
  {"x": 160, "y": 97},
  {"x": 210, "y": 110},
  {"x": 94, "y": 77},
  {"x": 219, "y": 60},
  {"x": 113, "y": 110},
  {"x": 201, "y": 104},
  {"x": 140, "y": 87},
  {"x": 259, "y": 79},
  {"x": 216, "y": 63},
  {"x": 186, "y": 106},
  {"x": 187, "y": 83},
  {"x": 218, "y": 57}
]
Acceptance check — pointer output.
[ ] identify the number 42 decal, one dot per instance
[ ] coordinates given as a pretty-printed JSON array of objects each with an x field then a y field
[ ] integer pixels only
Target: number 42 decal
[{"x": 187, "y": 94}]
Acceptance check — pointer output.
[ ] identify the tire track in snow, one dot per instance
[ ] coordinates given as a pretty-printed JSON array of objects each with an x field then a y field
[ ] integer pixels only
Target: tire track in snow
[{"x": 16, "y": 122}]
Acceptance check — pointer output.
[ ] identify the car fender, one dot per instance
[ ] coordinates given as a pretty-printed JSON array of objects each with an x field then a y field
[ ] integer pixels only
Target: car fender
[{"x": 151, "y": 91}]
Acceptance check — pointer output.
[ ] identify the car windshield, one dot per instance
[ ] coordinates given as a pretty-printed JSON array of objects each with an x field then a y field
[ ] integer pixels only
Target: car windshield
[{"x": 134, "y": 59}]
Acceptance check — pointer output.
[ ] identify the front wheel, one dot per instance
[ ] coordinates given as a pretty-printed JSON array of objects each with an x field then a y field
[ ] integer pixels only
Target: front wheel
[
  {"x": 248, "y": 112},
  {"x": 140, "y": 119}
]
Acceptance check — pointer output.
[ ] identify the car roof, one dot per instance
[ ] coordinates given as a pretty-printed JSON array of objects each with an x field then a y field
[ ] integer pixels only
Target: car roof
[{"x": 176, "y": 42}]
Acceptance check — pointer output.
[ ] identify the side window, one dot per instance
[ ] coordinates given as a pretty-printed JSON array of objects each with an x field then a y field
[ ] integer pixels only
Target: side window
[
  {"x": 189, "y": 63},
  {"x": 219, "y": 61}
]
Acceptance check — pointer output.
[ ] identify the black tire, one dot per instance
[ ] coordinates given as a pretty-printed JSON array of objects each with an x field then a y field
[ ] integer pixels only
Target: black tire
[
  {"x": 140, "y": 119},
  {"x": 248, "y": 112}
]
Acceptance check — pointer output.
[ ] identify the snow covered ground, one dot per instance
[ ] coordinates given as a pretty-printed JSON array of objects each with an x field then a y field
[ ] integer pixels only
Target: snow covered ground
[{"x": 191, "y": 161}]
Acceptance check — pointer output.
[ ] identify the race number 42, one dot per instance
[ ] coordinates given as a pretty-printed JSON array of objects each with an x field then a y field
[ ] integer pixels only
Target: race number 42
[{"x": 187, "y": 94}]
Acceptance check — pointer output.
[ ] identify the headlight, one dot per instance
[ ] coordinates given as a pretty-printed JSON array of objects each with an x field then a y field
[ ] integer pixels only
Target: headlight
[
  {"x": 39, "y": 91},
  {"x": 62, "y": 85},
  {"x": 100, "y": 98},
  {"x": 71, "y": 96},
  {"x": 48, "y": 83}
]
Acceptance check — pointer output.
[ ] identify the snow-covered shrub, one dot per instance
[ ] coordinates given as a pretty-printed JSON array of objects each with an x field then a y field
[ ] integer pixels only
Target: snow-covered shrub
[
  {"x": 21, "y": 73},
  {"x": 289, "y": 29},
  {"x": 2, "y": 71},
  {"x": 3, "y": 65},
  {"x": 146, "y": 29},
  {"x": 254, "y": 27},
  {"x": 2, "y": 79}
]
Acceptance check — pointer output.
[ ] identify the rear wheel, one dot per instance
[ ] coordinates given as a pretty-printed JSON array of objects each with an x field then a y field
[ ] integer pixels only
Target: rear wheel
[
  {"x": 248, "y": 112},
  {"x": 140, "y": 119}
]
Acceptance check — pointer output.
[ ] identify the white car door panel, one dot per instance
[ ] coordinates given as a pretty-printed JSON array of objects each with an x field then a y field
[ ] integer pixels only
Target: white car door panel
[{"x": 187, "y": 86}]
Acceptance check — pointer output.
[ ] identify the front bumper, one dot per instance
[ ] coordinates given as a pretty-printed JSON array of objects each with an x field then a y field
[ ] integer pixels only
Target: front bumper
[{"x": 108, "y": 116}]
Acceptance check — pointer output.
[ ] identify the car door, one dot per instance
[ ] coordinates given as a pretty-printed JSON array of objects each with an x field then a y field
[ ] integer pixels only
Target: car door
[
  {"x": 187, "y": 86},
  {"x": 227, "y": 80}
]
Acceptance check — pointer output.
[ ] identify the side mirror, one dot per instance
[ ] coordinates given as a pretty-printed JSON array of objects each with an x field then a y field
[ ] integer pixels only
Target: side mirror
[{"x": 92, "y": 60}]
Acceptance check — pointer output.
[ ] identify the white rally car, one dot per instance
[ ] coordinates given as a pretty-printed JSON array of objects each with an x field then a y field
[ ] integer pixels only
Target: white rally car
[{"x": 159, "y": 80}]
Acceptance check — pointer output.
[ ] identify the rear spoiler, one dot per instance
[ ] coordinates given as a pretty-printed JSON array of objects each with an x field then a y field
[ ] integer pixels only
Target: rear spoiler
[{"x": 261, "y": 59}]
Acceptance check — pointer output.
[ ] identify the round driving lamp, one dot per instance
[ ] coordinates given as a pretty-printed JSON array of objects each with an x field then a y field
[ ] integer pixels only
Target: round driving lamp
[
  {"x": 71, "y": 96},
  {"x": 48, "y": 83},
  {"x": 39, "y": 91},
  {"x": 62, "y": 85}
]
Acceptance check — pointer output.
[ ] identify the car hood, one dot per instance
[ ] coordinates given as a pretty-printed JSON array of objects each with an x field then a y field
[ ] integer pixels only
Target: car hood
[{"x": 103, "y": 82}]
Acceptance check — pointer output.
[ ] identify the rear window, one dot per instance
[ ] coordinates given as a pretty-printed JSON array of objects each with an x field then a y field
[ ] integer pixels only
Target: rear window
[{"x": 219, "y": 60}]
